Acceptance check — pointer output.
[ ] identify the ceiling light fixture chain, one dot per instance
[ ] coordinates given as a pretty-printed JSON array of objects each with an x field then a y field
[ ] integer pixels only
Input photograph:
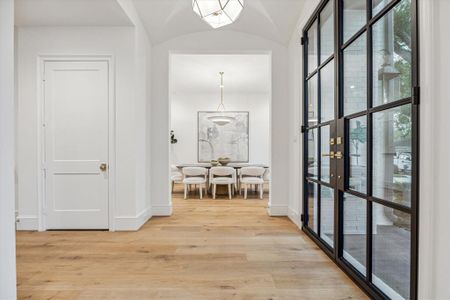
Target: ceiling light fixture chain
[
  {"x": 221, "y": 118},
  {"x": 221, "y": 105}
]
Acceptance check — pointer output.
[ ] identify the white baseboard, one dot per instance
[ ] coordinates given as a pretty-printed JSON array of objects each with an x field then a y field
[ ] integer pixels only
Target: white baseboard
[
  {"x": 277, "y": 211},
  {"x": 130, "y": 223},
  {"x": 294, "y": 216},
  {"x": 26, "y": 223},
  {"x": 162, "y": 211}
]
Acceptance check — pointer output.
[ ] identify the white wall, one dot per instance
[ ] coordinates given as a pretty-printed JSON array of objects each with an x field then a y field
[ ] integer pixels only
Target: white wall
[
  {"x": 142, "y": 83},
  {"x": 218, "y": 42},
  {"x": 7, "y": 153},
  {"x": 131, "y": 205},
  {"x": 184, "y": 108},
  {"x": 296, "y": 116},
  {"x": 434, "y": 237}
]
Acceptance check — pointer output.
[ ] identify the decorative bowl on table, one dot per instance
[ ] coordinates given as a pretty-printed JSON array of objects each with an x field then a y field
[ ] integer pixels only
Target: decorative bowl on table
[
  {"x": 214, "y": 163},
  {"x": 224, "y": 160}
]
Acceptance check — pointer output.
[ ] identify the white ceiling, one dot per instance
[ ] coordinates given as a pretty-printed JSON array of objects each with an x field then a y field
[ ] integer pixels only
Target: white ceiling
[
  {"x": 200, "y": 73},
  {"x": 70, "y": 13},
  {"x": 164, "y": 19},
  {"x": 270, "y": 19}
]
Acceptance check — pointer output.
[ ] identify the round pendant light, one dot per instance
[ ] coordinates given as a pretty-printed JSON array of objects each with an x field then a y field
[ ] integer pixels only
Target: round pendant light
[
  {"x": 221, "y": 119},
  {"x": 218, "y": 13}
]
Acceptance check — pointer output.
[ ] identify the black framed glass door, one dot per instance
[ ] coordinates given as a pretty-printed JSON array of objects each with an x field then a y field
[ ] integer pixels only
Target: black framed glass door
[{"x": 361, "y": 140}]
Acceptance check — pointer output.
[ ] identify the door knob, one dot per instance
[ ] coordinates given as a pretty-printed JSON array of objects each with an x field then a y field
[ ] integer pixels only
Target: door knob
[
  {"x": 339, "y": 155},
  {"x": 103, "y": 167}
]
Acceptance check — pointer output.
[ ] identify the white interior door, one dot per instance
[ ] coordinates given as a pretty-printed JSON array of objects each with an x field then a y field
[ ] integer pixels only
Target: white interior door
[{"x": 76, "y": 95}]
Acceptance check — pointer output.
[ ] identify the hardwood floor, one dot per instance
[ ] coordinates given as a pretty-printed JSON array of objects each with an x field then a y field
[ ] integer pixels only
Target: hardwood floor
[{"x": 208, "y": 249}]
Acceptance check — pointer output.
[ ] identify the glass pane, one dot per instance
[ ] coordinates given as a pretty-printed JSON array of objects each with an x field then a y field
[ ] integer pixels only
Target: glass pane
[
  {"x": 355, "y": 17},
  {"x": 313, "y": 98},
  {"x": 327, "y": 92},
  {"x": 355, "y": 216},
  {"x": 378, "y": 5},
  {"x": 312, "y": 48},
  {"x": 326, "y": 32},
  {"x": 355, "y": 76},
  {"x": 327, "y": 215},
  {"x": 392, "y": 154},
  {"x": 358, "y": 154},
  {"x": 312, "y": 153},
  {"x": 325, "y": 149},
  {"x": 312, "y": 206},
  {"x": 392, "y": 55},
  {"x": 391, "y": 251}
]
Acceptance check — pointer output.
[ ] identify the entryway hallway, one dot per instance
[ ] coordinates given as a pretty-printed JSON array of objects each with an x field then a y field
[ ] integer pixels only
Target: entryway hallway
[{"x": 208, "y": 249}]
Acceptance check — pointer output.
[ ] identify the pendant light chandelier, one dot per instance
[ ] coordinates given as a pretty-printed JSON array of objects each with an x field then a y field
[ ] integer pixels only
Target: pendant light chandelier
[
  {"x": 218, "y": 13},
  {"x": 221, "y": 119}
]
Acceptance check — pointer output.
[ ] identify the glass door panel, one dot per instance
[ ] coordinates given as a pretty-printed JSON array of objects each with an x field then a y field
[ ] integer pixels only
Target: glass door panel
[
  {"x": 354, "y": 17},
  {"x": 325, "y": 151},
  {"x": 312, "y": 48},
  {"x": 358, "y": 154},
  {"x": 313, "y": 99},
  {"x": 313, "y": 162},
  {"x": 326, "y": 32},
  {"x": 391, "y": 270},
  {"x": 313, "y": 199},
  {"x": 392, "y": 55},
  {"x": 392, "y": 146},
  {"x": 355, "y": 232},
  {"x": 327, "y": 215},
  {"x": 355, "y": 76},
  {"x": 327, "y": 92}
]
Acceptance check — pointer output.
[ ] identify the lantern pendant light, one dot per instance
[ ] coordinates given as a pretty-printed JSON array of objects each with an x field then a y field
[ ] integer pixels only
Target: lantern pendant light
[
  {"x": 221, "y": 119},
  {"x": 218, "y": 13}
]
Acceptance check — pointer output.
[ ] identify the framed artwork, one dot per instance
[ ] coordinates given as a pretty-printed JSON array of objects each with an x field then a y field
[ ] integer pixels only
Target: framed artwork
[{"x": 230, "y": 140}]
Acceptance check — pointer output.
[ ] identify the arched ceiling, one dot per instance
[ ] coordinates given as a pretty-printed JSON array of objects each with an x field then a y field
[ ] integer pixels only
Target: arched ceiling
[
  {"x": 271, "y": 19},
  {"x": 163, "y": 19},
  {"x": 70, "y": 13}
]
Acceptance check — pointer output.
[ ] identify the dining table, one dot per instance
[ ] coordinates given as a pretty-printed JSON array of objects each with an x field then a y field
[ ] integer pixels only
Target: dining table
[{"x": 231, "y": 164}]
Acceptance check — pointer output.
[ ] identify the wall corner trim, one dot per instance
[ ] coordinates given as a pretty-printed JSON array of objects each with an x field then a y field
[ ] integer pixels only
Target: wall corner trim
[
  {"x": 162, "y": 211},
  {"x": 133, "y": 223},
  {"x": 27, "y": 223},
  {"x": 294, "y": 216},
  {"x": 278, "y": 211}
]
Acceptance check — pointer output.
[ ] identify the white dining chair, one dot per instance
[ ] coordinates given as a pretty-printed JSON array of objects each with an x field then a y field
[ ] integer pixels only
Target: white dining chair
[
  {"x": 195, "y": 176},
  {"x": 252, "y": 176},
  {"x": 222, "y": 176},
  {"x": 175, "y": 176}
]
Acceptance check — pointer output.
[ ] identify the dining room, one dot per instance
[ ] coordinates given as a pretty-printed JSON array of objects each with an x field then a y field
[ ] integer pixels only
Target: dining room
[{"x": 220, "y": 128}]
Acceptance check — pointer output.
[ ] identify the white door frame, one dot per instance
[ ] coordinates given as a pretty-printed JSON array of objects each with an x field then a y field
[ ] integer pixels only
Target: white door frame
[{"x": 109, "y": 59}]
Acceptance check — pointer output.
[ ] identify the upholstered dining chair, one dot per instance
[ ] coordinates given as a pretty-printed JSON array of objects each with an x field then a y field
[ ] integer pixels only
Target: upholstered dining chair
[
  {"x": 252, "y": 176},
  {"x": 222, "y": 176},
  {"x": 175, "y": 176},
  {"x": 195, "y": 176}
]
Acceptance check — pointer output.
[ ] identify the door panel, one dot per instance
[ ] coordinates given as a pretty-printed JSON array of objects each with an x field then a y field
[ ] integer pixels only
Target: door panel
[
  {"x": 361, "y": 140},
  {"x": 76, "y": 144}
]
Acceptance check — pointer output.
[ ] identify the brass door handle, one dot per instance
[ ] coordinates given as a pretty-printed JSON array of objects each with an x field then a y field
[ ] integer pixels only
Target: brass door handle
[
  {"x": 331, "y": 154},
  {"x": 339, "y": 155},
  {"x": 103, "y": 167}
]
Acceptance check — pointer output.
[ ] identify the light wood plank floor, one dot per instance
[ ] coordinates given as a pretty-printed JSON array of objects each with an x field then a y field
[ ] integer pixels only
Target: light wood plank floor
[{"x": 208, "y": 249}]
